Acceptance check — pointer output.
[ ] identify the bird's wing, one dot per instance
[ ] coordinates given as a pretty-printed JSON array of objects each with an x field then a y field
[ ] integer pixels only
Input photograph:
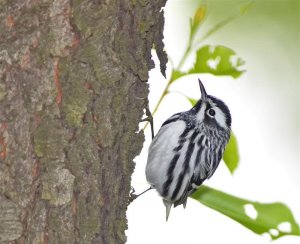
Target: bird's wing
[{"x": 161, "y": 154}]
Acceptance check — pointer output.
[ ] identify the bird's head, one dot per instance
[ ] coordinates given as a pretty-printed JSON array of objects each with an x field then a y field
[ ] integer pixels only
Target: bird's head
[{"x": 212, "y": 111}]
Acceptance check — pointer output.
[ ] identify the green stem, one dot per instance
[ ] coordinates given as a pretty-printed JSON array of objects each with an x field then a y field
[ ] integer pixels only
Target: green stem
[
  {"x": 191, "y": 45},
  {"x": 166, "y": 90},
  {"x": 186, "y": 54},
  {"x": 181, "y": 63}
]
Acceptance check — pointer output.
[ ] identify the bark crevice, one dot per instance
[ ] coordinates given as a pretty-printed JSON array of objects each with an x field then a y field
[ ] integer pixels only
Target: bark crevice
[{"x": 72, "y": 75}]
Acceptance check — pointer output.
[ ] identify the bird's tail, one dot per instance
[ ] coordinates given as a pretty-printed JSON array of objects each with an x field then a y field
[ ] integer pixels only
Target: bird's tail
[{"x": 168, "y": 208}]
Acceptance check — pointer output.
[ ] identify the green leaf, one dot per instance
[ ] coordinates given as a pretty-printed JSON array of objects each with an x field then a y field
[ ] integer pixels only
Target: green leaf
[
  {"x": 231, "y": 154},
  {"x": 243, "y": 10},
  {"x": 266, "y": 218},
  {"x": 197, "y": 20},
  {"x": 217, "y": 60},
  {"x": 192, "y": 101}
]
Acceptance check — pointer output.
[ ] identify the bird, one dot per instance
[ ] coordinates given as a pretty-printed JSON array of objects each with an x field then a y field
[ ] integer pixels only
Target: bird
[{"x": 188, "y": 149}]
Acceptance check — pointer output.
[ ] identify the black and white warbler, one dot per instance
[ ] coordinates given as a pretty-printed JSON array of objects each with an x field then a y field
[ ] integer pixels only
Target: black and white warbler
[{"x": 187, "y": 149}]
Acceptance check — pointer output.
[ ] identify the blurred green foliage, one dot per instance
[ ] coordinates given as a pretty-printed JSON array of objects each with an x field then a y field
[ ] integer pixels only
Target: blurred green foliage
[{"x": 221, "y": 60}]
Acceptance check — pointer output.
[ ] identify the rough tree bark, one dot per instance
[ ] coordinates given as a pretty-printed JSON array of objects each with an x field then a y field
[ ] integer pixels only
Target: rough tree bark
[{"x": 73, "y": 88}]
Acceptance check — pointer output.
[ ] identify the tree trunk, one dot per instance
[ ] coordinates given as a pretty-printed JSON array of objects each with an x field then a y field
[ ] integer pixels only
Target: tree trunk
[{"x": 72, "y": 92}]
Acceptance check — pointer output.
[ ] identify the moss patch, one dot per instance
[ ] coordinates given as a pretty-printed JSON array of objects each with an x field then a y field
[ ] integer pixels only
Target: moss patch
[
  {"x": 49, "y": 140},
  {"x": 57, "y": 186},
  {"x": 75, "y": 94}
]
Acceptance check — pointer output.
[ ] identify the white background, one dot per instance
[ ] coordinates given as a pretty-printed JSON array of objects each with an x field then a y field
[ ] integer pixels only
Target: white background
[{"x": 264, "y": 104}]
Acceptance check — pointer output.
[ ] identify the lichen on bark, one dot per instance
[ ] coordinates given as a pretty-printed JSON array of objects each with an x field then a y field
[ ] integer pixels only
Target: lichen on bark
[
  {"x": 72, "y": 92},
  {"x": 10, "y": 225}
]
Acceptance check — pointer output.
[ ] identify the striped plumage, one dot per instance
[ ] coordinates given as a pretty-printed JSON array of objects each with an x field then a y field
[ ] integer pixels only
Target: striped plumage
[{"x": 187, "y": 149}]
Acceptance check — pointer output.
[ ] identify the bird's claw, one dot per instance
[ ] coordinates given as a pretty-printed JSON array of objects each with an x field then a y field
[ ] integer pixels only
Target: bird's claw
[
  {"x": 149, "y": 119},
  {"x": 132, "y": 196}
]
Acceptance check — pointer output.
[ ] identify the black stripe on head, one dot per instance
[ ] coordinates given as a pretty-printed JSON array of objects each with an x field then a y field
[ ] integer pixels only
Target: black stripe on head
[{"x": 221, "y": 105}]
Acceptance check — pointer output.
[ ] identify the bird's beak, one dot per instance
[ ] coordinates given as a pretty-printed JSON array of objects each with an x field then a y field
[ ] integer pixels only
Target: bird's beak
[{"x": 203, "y": 92}]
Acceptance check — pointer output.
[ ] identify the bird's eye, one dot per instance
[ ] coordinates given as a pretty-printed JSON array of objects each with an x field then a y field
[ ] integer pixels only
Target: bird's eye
[{"x": 211, "y": 112}]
